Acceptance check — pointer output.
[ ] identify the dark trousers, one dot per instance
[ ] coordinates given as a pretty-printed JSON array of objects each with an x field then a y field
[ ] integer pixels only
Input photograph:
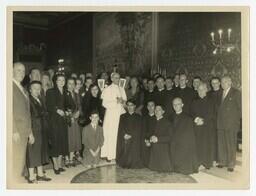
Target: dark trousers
[
  {"x": 19, "y": 159},
  {"x": 227, "y": 140}
]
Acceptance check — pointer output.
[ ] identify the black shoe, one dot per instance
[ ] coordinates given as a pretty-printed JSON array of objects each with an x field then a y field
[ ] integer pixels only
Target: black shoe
[
  {"x": 219, "y": 166},
  {"x": 56, "y": 171},
  {"x": 207, "y": 168},
  {"x": 72, "y": 163},
  {"x": 67, "y": 164},
  {"x": 230, "y": 169},
  {"x": 61, "y": 170},
  {"x": 32, "y": 181},
  {"x": 43, "y": 178}
]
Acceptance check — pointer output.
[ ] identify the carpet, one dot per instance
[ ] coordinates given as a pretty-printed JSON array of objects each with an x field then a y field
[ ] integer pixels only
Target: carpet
[{"x": 115, "y": 174}]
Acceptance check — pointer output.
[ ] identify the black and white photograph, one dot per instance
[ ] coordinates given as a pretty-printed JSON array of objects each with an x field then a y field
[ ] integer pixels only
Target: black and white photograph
[{"x": 139, "y": 98}]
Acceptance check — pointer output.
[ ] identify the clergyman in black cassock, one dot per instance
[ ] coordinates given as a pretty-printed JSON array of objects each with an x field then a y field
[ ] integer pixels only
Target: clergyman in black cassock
[
  {"x": 161, "y": 96},
  {"x": 148, "y": 95},
  {"x": 160, "y": 159},
  {"x": 129, "y": 139},
  {"x": 202, "y": 112},
  {"x": 183, "y": 145},
  {"x": 186, "y": 93},
  {"x": 215, "y": 94},
  {"x": 149, "y": 123}
]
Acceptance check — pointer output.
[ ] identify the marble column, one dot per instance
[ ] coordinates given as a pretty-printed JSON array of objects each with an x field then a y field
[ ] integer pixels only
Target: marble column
[{"x": 154, "y": 58}]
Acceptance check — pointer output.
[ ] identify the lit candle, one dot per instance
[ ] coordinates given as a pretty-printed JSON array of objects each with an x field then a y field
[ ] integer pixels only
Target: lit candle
[
  {"x": 220, "y": 33},
  {"x": 229, "y": 33},
  {"x": 212, "y": 34}
]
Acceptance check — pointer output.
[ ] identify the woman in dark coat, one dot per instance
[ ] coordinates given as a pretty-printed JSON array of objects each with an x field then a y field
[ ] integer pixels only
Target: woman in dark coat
[
  {"x": 93, "y": 103},
  {"x": 160, "y": 159},
  {"x": 37, "y": 154},
  {"x": 72, "y": 104},
  {"x": 58, "y": 134}
]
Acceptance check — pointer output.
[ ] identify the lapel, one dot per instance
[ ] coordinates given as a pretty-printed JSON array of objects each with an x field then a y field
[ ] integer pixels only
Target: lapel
[
  {"x": 36, "y": 102},
  {"x": 228, "y": 95},
  {"x": 22, "y": 92},
  {"x": 34, "y": 106}
]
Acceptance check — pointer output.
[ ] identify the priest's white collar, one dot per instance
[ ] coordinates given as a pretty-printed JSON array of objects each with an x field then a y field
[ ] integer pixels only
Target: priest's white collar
[
  {"x": 183, "y": 87},
  {"x": 152, "y": 114},
  {"x": 159, "y": 118},
  {"x": 216, "y": 90},
  {"x": 179, "y": 112}
]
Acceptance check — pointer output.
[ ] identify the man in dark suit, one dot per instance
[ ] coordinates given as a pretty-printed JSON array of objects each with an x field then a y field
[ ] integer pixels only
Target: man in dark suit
[
  {"x": 228, "y": 124},
  {"x": 186, "y": 93},
  {"x": 22, "y": 132}
]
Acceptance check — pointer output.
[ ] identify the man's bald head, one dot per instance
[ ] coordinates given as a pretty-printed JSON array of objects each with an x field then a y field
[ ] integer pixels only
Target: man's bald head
[
  {"x": 115, "y": 74},
  {"x": 202, "y": 90},
  {"x": 177, "y": 100},
  {"x": 226, "y": 82},
  {"x": 18, "y": 71},
  {"x": 177, "y": 104},
  {"x": 115, "y": 78}
]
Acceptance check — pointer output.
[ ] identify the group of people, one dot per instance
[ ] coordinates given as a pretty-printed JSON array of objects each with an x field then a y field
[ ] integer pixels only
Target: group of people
[{"x": 158, "y": 123}]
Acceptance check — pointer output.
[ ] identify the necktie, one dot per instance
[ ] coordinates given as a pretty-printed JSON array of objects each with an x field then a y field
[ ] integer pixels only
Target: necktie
[
  {"x": 223, "y": 95},
  {"x": 38, "y": 100}
]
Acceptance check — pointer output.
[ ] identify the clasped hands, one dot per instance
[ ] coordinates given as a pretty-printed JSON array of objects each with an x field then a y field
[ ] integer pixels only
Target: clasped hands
[
  {"x": 147, "y": 142},
  {"x": 127, "y": 136},
  {"x": 153, "y": 139},
  {"x": 199, "y": 121},
  {"x": 61, "y": 112}
]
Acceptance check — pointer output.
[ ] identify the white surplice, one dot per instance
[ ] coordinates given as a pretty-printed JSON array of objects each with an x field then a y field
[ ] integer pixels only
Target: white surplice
[{"x": 111, "y": 119}]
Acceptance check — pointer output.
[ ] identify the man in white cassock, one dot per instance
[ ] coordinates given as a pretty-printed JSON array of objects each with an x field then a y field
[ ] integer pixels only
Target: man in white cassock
[{"x": 113, "y": 99}]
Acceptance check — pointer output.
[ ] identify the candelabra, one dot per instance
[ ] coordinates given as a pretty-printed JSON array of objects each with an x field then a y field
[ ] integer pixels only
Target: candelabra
[
  {"x": 60, "y": 68},
  {"x": 222, "y": 43}
]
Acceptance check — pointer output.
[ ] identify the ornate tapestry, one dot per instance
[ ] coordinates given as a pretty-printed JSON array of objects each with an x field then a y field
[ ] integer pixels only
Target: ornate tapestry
[{"x": 123, "y": 40}]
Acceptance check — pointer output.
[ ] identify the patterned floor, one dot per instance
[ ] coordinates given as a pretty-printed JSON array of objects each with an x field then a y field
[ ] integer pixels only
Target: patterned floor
[
  {"x": 115, "y": 174},
  {"x": 202, "y": 177}
]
